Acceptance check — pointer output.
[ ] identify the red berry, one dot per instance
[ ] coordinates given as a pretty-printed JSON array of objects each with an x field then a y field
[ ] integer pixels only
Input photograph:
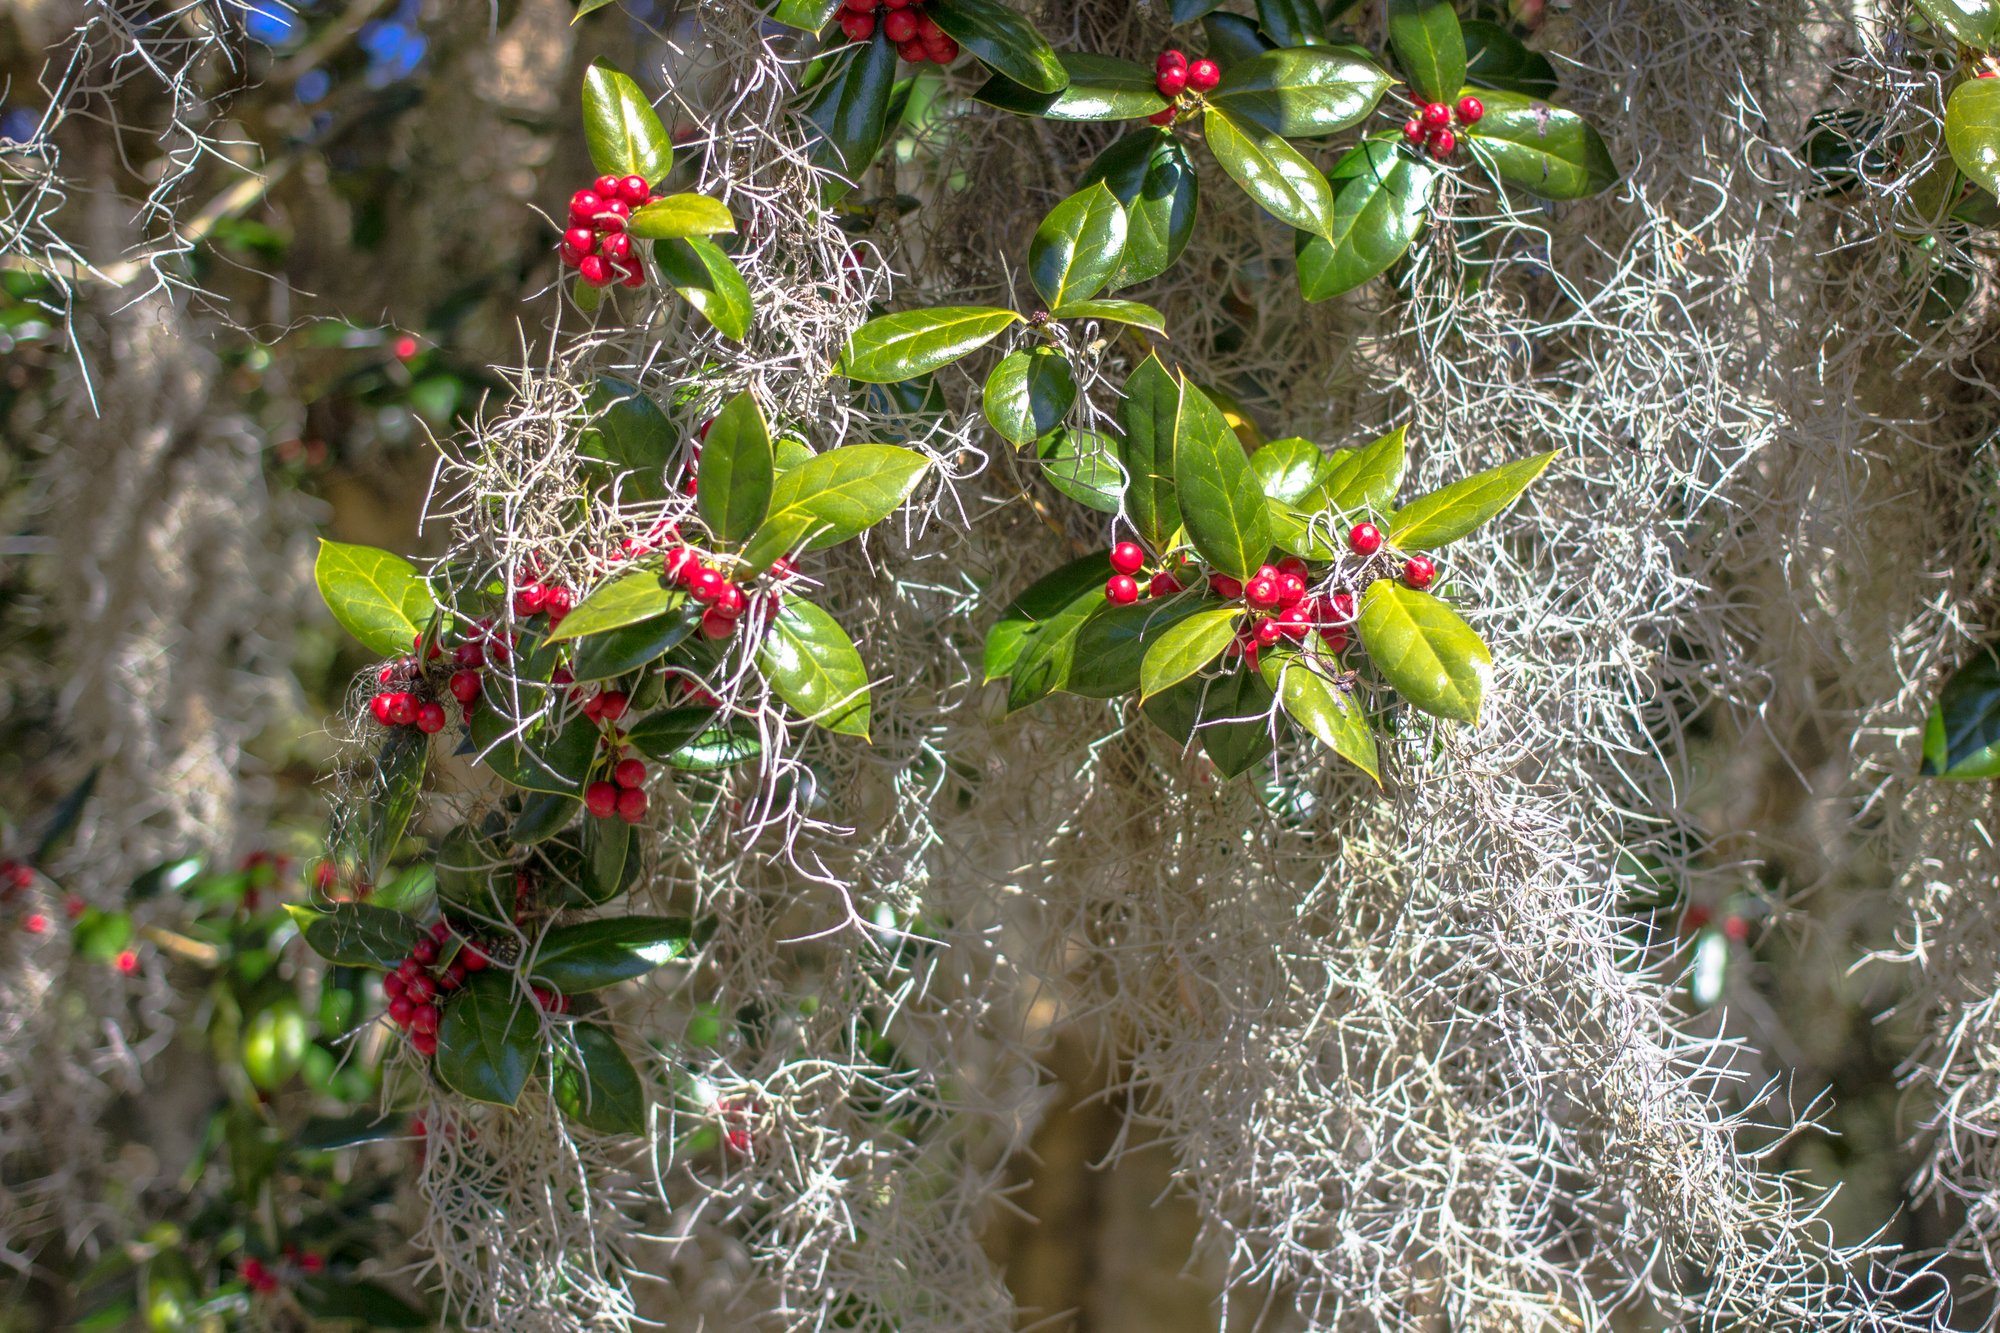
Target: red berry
[
  {"x": 611, "y": 217},
  {"x": 601, "y": 799},
  {"x": 1291, "y": 589},
  {"x": 529, "y": 599},
  {"x": 859, "y": 6},
  {"x": 35, "y": 923},
  {"x": 729, "y": 601},
  {"x": 465, "y": 686},
  {"x": 1261, "y": 593},
  {"x": 473, "y": 957},
  {"x": 571, "y": 257},
  {"x": 605, "y": 187},
  {"x": 583, "y": 206},
  {"x": 1203, "y": 75},
  {"x": 400, "y": 1010},
  {"x": 717, "y": 625},
  {"x": 631, "y": 805},
  {"x": 1470, "y": 109},
  {"x": 635, "y": 273},
  {"x": 409, "y": 970},
  {"x": 402, "y": 708},
  {"x": 560, "y": 602},
  {"x": 312, "y": 1263},
  {"x": 927, "y": 27},
  {"x": 630, "y": 773},
  {"x": 634, "y": 191},
  {"x": 899, "y": 26},
  {"x": 1128, "y": 557},
  {"x": 1695, "y": 917},
  {"x": 426, "y": 1043},
  {"x": 469, "y": 656},
  {"x": 1413, "y": 131},
  {"x": 420, "y": 988},
  {"x": 617, "y": 247},
  {"x": 1420, "y": 571},
  {"x": 1171, "y": 81},
  {"x": 430, "y": 719},
  {"x": 681, "y": 566},
  {"x": 1338, "y": 608},
  {"x": 913, "y": 51},
  {"x": 424, "y": 1018},
  {"x": 1121, "y": 590},
  {"x": 706, "y": 584},
  {"x": 611, "y": 705},
  {"x": 253, "y": 1272},
  {"x": 1365, "y": 539},
  {"x": 425, "y": 951},
  {"x": 1164, "y": 116},
  {"x": 380, "y": 706},
  {"x": 593, "y": 270},
  {"x": 453, "y": 978},
  {"x": 1336, "y": 639},
  {"x": 1224, "y": 586},
  {"x": 1291, "y": 564},
  {"x": 406, "y": 347},
  {"x": 1442, "y": 144},
  {"x": 1163, "y": 584},
  {"x": 440, "y": 930},
  {"x": 546, "y": 998},
  {"x": 1266, "y": 572},
  {"x": 1435, "y": 116},
  {"x": 1268, "y": 632},
  {"x": 1736, "y": 928},
  {"x": 1169, "y": 60}
]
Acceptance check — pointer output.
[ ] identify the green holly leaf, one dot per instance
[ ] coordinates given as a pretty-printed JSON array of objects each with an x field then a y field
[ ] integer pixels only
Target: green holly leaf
[
  {"x": 679, "y": 215},
  {"x": 832, "y": 497},
  {"x": 1232, "y": 39},
  {"x": 1962, "y": 734},
  {"x": 1099, "y": 88},
  {"x": 1289, "y": 470},
  {"x": 1187, "y": 11},
  {"x": 1149, "y": 173},
  {"x": 1023, "y": 619},
  {"x": 1042, "y": 663},
  {"x": 1972, "y": 23},
  {"x": 616, "y": 652},
  {"x": 1136, "y": 313},
  {"x": 1447, "y": 514},
  {"x": 625, "y": 600},
  {"x": 1222, "y": 507},
  {"x": 1379, "y": 207},
  {"x": 1292, "y": 22},
  {"x": 1330, "y": 713},
  {"x": 737, "y": 470},
  {"x": 1366, "y": 478},
  {"x": 1185, "y": 648},
  {"x": 1076, "y": 248},
  {"x": 1301, "y": 92},
  {"x": 664, "y": 734},
  {"x": 1083, "y": 465},
  {"x": 1496, "y": 58},
  {"x": 392, "y": 795},
  {"x": 1543, "y": 149},
  {"x": 848, "y": 112},
  {"x": 356, "y": 934},
  {"x": 1109, "y": 647},
  {"x": 473, "y": 873},
  {"x": 805, "y": 15},
  {"x": 811, "y": 664},
  {"x": 706, "y": 279},
  {"x": 717, "y": 748},
  {"x": 1429, "y": 656},
  {"x": 623, "y": 131},
  {"x": 377, "y": 597},
  {"x": 1429, "y": 45},
  {"x": 1002, "y": 40},
  {"x": 541, "y": 762},
  {"x": 1972, "y": 131},
  {"x": 1150, "y": 415},
  {"x": 1272, "y": 172},
  {"x": 1235, "y": 727},
  {"x": 543, "y": 815},
  {"x": 1028, "y": 394},
  {"x": 489, "y": 1040},
  {"x": 591, "y": 955},
  {"x": 910, "y": 342},
  {"x": 596, "y": 1085},
  {"x": 627, "y": 430}
]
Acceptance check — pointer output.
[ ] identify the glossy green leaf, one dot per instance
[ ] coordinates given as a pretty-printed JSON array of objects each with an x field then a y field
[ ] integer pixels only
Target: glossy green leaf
[
  {"x": 1289, "y": 470},
  {"x": 1028, "y": 394},
  {"x": 1330, "y": 713},
  {"x": 679, "y": 215},
  {"x": 1962, "y": 733},
  {"x": 1024, "y": 618},
  {"x": 737, "y": 470},
  {"x": 1221, "y": 504},
  {"x": 1099, "y": 88},
  {"x": 1378, "y": 210},
  {"x": 356, "y": 934},
  {"x": 707, "y": 279},
  {"x": 597, "y": 1087},
  {"x": 377, "y": 597},
  {"x": 1302, "y": 92},
  {"x": 1149, "y": 173},
  {"x": 1429, "y": 45},
  {"x": 618, "y": 651},
  {"x": 834, "y": 496},
  {"x": 910, "y": 342},
  {"x": 474, "y": 873},
  {"x": 1272, "y": 172},
  {"x": 1496, "y": 58},
  {"x": 1429, "y": 656},
  {"x": 1150, "y": 414},
  {"x": 625, "y": 600},
  {"x": 1291, "y": 22},
  {"x": 610, "y": 860},
  {"x": 1232, "y": 39},
  {"x": 1366, "y": 478},
  {"x": 1076, "y": 248},
  {"x": 1187, "y": 11},
  {"x": 661, "y": 735},
  {"x": 805, "y": 15},
  {"x": 1543, "y": 149},
  {"x": 393, "y": 790},
  {"x": 811, "y": 664},
  {"x": 591, "y": 955},
  {"x": 1183, "y": 649},
  {"x": 1972, "y": 131},
  {"x": 1002, "y": 40},
  {"x": 1042, "y": 663},
  {"x": 1083, "y": 465},
  {"x": 848, "y": 112},
  {"x": 1136, "y": 313},
  {"x": 1109, "y": 647},
  {"x": 623, "y": 131},
  {"x": 489, "y": 1040},
  {"x": 717, "y": 748},
  {"x": 1235, "y": 727},
  {"x": 541, "y": 763},
  {"x": 543, "y": 815},
  {"x": 1451, "y": 512},
  {"x": 1972, "y": 23},
  {"x": 629, "y": 431}
]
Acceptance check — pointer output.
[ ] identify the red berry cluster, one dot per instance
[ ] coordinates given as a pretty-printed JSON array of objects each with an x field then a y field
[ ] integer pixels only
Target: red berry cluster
[
  {"x": 623, "y": 791},
  {"x": 917, "y": 36},
  {"x": 416, "y": 985},
  {"x": 1122, "y": 589},
  {"x": 263, "y": 1278},
  {"x": 709, "y": 585},
  {"x": 1286, "y": 611},
  {"x": 532, "y": 598},
  {"x": 1431, "y": 128},
  {"x": 1173, "y": 75},
  {"x": 404, "y": 708},
  {"x": 596, "y": 244},
  {"x": 16, "y": 878}
]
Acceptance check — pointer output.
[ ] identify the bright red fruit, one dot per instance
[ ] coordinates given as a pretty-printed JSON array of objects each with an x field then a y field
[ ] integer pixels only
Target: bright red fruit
[
  {"x": 473, "y": 957},
  {"x": 1203, "y": 75},
  {"x": 1261, "y": 593},
  {"x": 601, "y": 799},
  {"x": 605, "y": 187},
  {"x": 426, "y": 1043},
  {"x": 1164, "y": 116},
  {"x": 594, "y": 270},
  {"x": 857, "y": 27},
  {"x": 1121, "y": 590},
  {"x": 1420, "y": 571},
  {"x": 393, "y": 985},
  {"x": 402, "y": 708},
  {"x": 630, "y": 773},
  {"x": 1171, "y": 81},
  {"x": 634, "y": 191},
  {"x": 420, "y": 988},
  {"x": 1169, "y": 60},
  {"x": 400, "y": 1010},
  {"x": 1365, "y": 539},
  {"x": 424, "y": 1018},
  {"x": 1470, "y": 109},
  {"x": 1291, "y": 589},
  {"x": 1163, "y": 585},
  {"x": 1442, "y": 144},
  {"x": 1435, "y": 116},
  {"x": 1268, "y": 632},
  {"x": 1224, "y": 586},
  {"x": 913, "y": 51},
  {"x": 1340, "y": 607},
  {"x": 611, "y": 705},
  {"x": 612, "y": 216},
  {"x": 1294, "y": 621},
  {"x": 381, "y": 706},
  {"x": 729, "y": 602},
  {"x": 465, "y": 686},
  {"x": 430, "y": 719},
  {"x": 425, "y": 951},
  {"x": 631, "y": 805},
  {"x": 716, "y": 625},
  {"x": 899, "y": 25},
  {"x": 1128, "y": 557},
  {"x": 705, "y": 585},
  {"x": 1413, "y": 131},
  {"x": 583, "y": 206},
  {"x": 617, "y": 247}
]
